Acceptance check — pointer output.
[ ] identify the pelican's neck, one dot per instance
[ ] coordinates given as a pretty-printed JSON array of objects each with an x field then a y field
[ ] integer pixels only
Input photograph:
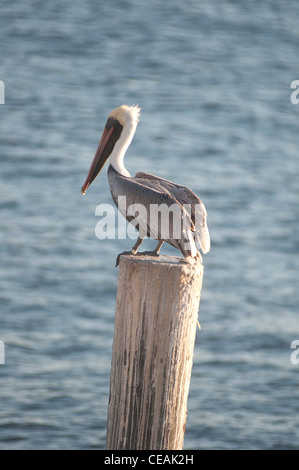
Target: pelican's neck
[{"x": 120, "y": 148}]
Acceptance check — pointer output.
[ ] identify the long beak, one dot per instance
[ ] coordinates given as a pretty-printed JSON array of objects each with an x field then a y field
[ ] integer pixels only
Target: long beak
[{"x": 110, "y": 135}]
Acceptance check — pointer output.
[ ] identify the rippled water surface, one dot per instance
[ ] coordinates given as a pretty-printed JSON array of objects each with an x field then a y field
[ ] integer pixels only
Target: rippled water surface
[{"x": 213, "y": 81}]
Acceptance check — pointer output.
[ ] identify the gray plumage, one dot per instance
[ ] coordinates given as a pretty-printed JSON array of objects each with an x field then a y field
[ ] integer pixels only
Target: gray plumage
[{"x": 147, "y": 190}]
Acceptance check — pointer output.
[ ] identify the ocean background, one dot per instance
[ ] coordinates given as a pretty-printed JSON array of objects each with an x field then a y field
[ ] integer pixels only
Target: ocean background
[{"x": 213, "y": 81}]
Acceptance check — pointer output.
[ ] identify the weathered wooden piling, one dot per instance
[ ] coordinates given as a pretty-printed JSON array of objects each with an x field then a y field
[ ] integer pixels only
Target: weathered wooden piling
[{"x": 155, "y": 327}]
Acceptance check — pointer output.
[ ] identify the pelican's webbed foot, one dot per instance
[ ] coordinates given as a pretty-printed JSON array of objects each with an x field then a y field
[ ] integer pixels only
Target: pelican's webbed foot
[
  {"x": 155, "y": 252},
  {"x": 133, "y": 251},
  {"x": 149, "y": 253}
]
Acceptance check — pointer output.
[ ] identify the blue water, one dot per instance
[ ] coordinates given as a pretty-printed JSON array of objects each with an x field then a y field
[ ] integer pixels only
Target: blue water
[{"x": 213, "y": 80}]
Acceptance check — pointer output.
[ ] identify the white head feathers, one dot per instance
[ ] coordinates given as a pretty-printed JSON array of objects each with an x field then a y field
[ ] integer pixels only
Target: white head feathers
[{"x": 126, "y": 114}]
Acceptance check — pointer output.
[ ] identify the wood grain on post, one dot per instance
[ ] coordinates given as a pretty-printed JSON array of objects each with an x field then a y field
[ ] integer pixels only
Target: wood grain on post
[{"x": 155, "y": 327}]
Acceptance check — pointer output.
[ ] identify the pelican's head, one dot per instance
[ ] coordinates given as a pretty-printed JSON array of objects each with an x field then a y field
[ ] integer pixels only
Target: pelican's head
[
  {"x": 124, "y": 117},
  {"x": 126, "y": 114}
]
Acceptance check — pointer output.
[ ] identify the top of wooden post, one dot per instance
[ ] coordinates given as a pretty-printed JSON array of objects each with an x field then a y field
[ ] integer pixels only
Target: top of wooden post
[{"x": 175, "y": 262}]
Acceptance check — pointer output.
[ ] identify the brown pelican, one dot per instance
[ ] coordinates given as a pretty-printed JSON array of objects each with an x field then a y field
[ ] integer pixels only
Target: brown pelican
[{"x": 149, "y": 191}]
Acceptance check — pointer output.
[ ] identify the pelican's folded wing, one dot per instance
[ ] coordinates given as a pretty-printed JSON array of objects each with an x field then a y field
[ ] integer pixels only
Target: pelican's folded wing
[{"x": 184, "y": 196}]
